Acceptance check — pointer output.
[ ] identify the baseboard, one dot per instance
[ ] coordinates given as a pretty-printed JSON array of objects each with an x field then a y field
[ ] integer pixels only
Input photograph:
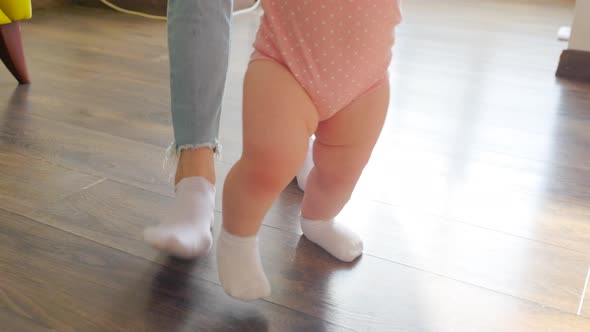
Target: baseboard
[
  {"x": 574, "y": 64},
  {"x": 152, "y": 7},
  {"x": 41, "y": 4},
  {"x": 89, "y": 3}
]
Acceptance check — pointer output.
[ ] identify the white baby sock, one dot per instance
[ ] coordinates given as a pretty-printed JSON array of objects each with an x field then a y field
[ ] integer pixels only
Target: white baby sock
[
  {"x": 307, "y": 166},
  {"x": 239, "y": 267},
  {"x": 186, "y": 230},
  {"x": 336, "y": 239}
]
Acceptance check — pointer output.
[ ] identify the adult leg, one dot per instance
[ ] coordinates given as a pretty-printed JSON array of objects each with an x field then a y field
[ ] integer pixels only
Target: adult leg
[{"x": 198, "y": 40}]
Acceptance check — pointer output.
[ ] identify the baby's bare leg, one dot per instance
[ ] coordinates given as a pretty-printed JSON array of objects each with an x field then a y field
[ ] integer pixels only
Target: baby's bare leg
[
  {"x": 278, "y": 119},
  {"x": 342, "y": 148}
]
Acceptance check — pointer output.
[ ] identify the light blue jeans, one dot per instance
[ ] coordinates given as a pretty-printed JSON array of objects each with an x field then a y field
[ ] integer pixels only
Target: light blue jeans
[{"x": 198, "y": 42}]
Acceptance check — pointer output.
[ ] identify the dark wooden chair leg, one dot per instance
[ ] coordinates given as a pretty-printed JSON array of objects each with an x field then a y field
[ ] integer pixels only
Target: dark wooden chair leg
[{"x": 12, "y": 53}]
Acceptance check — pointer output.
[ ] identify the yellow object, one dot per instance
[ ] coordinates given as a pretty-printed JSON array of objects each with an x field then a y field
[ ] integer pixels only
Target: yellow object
[{"x": 14, "y": 10}]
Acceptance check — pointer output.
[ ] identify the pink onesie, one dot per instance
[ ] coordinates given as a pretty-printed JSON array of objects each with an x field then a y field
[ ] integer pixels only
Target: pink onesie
[{"x": 338, "y": 50}]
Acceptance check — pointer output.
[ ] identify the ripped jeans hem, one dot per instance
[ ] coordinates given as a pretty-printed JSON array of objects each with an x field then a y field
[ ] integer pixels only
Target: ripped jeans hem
[{"x": 172, "y": 155}]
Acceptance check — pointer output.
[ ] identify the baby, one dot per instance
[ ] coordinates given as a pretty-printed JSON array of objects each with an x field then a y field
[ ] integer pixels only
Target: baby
[{"x": 319, "y": 67}]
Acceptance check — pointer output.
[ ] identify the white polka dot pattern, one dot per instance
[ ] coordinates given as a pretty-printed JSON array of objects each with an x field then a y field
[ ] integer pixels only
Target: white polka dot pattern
[{"x": 336, "y": 49}]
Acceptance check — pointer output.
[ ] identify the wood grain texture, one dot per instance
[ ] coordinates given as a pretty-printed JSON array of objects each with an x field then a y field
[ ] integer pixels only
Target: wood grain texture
[
  {"x": 55, "y": 280},
  {"x": 308, "y": 280},
  {"x": 97, "y": 153},
  {"x": 25, "y": 189},
  {"x": 512, "y": 265},
  {"x": 474, "y": 207},
  {"x": 29, "y": 182}
]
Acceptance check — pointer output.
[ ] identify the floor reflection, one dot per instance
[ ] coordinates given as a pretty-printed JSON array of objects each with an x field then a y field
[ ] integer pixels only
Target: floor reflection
[
  {"x": 14, "y": 116},
  {"x": 181, "y": 302}
]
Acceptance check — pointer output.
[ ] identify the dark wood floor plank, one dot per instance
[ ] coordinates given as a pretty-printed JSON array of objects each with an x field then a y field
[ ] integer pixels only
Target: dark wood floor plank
[
  {"x": 90, "y": 152},
  {"x": 125, "y": 116},
  {"x": 450, "y": 105},
  {"x": 160, "y": 132},
  {"x": 27, "y": 183},
  {"x": 115, "y": 215},
  {"x": 451, "y": 100},
  {"x": 458, "y": 251},
  {"x": 54, "y": 280}
]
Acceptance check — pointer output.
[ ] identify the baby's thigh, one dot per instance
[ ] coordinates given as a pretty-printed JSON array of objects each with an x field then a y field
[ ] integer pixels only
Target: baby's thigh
[
  {"x": 346, "y": 140},
  {"x": 278, "y": 116}
]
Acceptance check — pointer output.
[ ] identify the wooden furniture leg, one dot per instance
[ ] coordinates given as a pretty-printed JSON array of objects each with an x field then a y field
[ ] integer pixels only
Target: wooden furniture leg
[{"x": 12, "y": 53}]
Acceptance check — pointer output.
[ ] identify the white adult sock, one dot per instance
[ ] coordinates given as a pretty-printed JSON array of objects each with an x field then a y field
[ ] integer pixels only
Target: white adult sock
[
  {"x": 186, "y": 230},
  {"x": 239, "y": 267},
  {"x": 337, "y": 239}
]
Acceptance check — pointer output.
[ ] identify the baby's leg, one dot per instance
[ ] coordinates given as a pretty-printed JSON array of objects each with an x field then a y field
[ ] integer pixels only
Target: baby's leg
[
  {"x": 278, "y": 119},
  {"x": 342, "y": 148}
]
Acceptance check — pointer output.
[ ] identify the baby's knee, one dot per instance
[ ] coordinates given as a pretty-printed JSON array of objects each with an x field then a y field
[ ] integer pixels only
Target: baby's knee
[
  {"x": 338, "y": 178},
  {"x": 342, "y": 163},
  {"x": 269, "y": 173}
]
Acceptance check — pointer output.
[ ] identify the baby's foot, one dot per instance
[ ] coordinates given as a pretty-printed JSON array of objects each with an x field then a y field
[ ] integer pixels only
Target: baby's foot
[
  {"x": 186, "y": 231},
  {"x": 239, "y": 267},
  {"x": 306, "y": 168},
  {"x": 336, "y": 239}
]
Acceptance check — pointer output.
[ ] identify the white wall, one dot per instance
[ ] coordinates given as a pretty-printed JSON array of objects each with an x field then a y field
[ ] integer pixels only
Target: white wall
[{"x": 580, "y": 38}]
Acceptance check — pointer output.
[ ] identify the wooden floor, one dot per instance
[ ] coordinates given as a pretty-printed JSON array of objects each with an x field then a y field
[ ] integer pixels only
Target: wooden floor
[{"x": 475, "y": 208}]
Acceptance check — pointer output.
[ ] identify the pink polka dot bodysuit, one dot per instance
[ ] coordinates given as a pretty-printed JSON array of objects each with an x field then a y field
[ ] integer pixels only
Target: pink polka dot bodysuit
[{"x": 338, "y": 50}]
